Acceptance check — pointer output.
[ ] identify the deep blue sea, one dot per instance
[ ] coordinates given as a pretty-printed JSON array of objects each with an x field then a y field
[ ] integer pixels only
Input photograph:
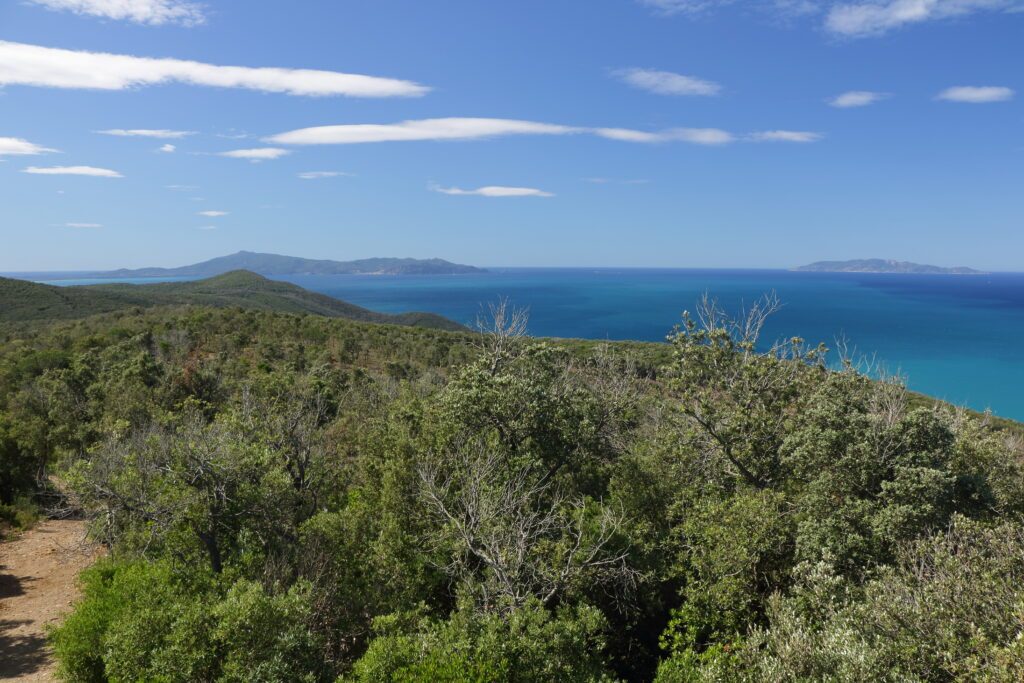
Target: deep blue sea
[{"x": 954, "y": 337}]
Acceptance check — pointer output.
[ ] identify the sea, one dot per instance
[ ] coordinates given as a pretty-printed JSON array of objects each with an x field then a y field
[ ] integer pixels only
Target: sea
[{"x": 955, "y": 337}]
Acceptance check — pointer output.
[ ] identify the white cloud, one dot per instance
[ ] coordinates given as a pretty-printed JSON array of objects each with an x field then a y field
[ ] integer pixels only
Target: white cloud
[
  {"x": 876, "y": 17},
  {"x": 258, "y": 154},
  {"x": 666, "y": 82},
  {"x": 153, "y": 12},
  {"x": 73, "y": 170},
  {"x": 976, "y": 94},
  {"x": 17, "y": 146},
  {"x": 22, "y": 64},
  {"x": 147, "y": 133},
  {"x": 785, "y": 136},
  {"x": 83, "y": 225},
  {"x": 315, "y": 175},
  {"x": 696, "y": 136},
  {"x": 207, "y": 227},
  {"x": 493, "y": 191},
  {"x": 167, "y": 149},
  {"x": 425, "y": 129},
  {"x": 181, "y": 188},
  {"x": 212, "y": 214},
  {"x": 856, "y": 98},
  {"x": 477, "y": 129}
]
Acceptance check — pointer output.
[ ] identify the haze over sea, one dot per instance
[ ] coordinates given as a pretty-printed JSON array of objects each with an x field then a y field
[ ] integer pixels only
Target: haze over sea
[{"x": 954, "y": 337}]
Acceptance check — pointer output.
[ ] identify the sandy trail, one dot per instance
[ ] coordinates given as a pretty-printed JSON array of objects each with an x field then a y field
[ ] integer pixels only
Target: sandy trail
[{"x": 38, "y": 585}]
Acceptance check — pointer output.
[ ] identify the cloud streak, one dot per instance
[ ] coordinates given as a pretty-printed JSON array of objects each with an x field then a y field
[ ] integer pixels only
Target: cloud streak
[
  {"x": 425, "y": 129},
  {"x": 161, "y": 134},
  {"x": 801, "y": 136},
  {"x": 456, "y": 128},
  {"x": 212, "y": 214},
  {"x": 22, "y": 64},
  {"x": 19, "y": 147},
  {"x": 666, "y": 82},
  {"x": 82, "y": 226},
  {"x": 976, "y": 95},
  {"x": 258, "y": 154},
  {"x": 316, "y": 175},
  {"x": 493, "y": 191},
  {"x": 153, "y": 12},
  {"x": 73, "y": 170}
]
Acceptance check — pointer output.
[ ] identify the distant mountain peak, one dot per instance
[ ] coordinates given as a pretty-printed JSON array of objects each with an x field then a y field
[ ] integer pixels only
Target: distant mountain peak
[{"x": 878, "y": 265}]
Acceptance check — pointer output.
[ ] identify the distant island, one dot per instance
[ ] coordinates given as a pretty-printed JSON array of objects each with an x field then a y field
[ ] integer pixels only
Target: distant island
[
  {"x": 877, "y": 265},
  {"x": 275, "y": 264}
]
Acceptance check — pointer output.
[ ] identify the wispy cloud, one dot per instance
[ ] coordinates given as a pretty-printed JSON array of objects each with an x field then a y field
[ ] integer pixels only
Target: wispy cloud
[
  {"x": 181, "y": 188},
  {"x": 83, "y": 225},
  {"x": 478, "y": 129},
  {"x": 876, "y": 17},
  {"x": 786, "y": 136},
  {"x": 856, "y": 98},
  {"x": 212, "y": 214},
  {"x": 162, "y": 134},
  {"x": 257, "y": 154},
  {"x": 19, "y": 147},
  {"x": 696, "y": 136},
  {"x": 73, "y": 170},
  {"x": 425, "y": 129},
  {"x": 167, "y": 149},
  {"x": 976, "y": 94},
  {"x": 666, "y": 82},
  {"x": 207, "y": 227},
  {"x": 316, "y": 175},
  {"x": 22, "y": 64},
  {"x": 154, "y": 12},
  {"x": 493, "y": 191}
]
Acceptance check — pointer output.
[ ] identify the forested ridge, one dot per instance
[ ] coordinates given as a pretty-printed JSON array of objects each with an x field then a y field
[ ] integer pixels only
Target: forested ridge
[{"x": 296, "y": 498}]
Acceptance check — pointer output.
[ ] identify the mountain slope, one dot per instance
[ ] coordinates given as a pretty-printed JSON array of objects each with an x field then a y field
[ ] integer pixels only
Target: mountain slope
[
  {"x": 877, "y": 265},
  {"x": 22, "y": 301},
  {"x": 275, "y": 264}
]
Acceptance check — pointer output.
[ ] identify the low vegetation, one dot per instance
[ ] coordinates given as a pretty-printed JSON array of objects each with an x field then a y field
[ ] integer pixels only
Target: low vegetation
[
  {"x": 294, "y": 498},
  {"x": 30, "y": 301}
]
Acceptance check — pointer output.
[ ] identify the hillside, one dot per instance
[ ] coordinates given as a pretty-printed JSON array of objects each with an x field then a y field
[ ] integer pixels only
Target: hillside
[
  {"x": 26, "y": 301},
  {"x": 275, "y": 264},
  {"x": 877, "y": 265}
]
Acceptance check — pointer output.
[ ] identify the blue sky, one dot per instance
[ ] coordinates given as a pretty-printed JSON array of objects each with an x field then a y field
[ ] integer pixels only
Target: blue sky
[{"x": 689, "y": 133}]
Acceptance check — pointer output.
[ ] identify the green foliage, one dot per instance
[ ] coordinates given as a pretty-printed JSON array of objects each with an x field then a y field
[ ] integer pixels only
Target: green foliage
[
  {"x": 27, "y": 301},
  {"x": 291, "y": 497},
  {"x": 528, "y": 644},
  {"x": 144, "y": 621}
]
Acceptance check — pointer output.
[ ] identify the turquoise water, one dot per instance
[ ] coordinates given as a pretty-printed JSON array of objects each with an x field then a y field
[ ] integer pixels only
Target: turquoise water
[{"x": 954, "y": 337}]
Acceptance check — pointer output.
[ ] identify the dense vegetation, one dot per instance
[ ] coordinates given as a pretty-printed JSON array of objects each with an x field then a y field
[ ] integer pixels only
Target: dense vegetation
[
  {"x": 21, "y": 300},
  {"x": 291, "y": 498}
]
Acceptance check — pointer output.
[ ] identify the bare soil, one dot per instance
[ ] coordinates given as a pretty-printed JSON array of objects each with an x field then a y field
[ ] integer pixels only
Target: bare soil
[{"x": 38, "y": 584}]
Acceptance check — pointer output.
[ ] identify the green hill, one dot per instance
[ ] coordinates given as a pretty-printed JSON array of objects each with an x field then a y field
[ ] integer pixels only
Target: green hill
[{"x": 21, "y": 300}]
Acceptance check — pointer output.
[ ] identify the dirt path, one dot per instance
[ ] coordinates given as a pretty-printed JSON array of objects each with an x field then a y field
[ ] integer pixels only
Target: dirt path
[{"x": 38, "y": 584}]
